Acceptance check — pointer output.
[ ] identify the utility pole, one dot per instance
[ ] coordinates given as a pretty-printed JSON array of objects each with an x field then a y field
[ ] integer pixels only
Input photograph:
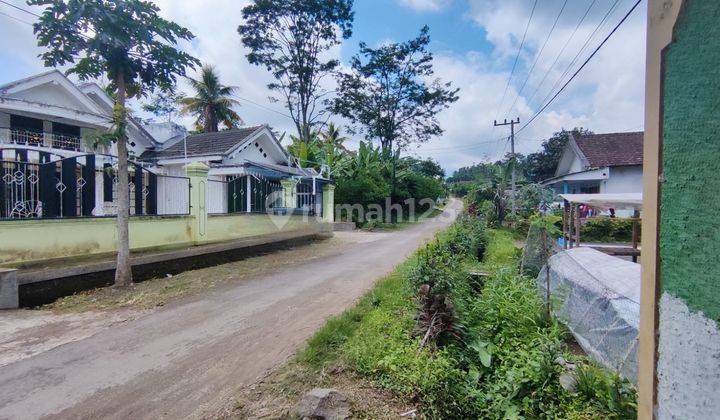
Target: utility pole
[{"x": 511, "y": 123}]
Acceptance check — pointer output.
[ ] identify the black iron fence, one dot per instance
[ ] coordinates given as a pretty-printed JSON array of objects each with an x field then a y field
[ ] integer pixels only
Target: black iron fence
[
  {"x": 53, "y": 186},
  {"x": 263, "y": 194}
]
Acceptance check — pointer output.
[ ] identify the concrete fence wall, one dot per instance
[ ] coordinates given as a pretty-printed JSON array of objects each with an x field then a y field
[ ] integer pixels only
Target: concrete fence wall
[{"x": 29, "y": 240}]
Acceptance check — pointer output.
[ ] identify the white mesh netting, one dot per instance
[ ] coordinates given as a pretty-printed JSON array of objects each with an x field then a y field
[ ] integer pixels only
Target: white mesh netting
[{"x": 598, "y": 297}]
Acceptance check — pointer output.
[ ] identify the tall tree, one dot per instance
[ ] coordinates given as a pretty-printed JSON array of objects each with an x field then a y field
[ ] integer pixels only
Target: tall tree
[
  {"x": 127, "y": 41},
  {"x": 427, "y": 167},
  {"x": 541, "y": 165},
  {"x": 212, "y": 104},
  {"x": 289, "y": 39},
  {"x": 163, "y": 104},
  {"x": 388, "y": 93},
  {"x": 389, "y": 96}
]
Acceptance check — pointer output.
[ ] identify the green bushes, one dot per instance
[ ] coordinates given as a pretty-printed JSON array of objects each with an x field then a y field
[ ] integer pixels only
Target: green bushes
[
  {"x": 606, "y": 229},
  {"x": 467, "y": 348}
]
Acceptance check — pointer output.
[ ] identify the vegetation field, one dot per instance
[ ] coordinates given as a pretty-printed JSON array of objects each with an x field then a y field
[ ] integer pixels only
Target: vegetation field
[{"x": 454, "y": 332}]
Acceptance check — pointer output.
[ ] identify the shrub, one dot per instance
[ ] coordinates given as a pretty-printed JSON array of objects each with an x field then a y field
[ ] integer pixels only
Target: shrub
[
  {"x": 493, "y": 355},
  {"x": 487, "y": 209},
  {"x": 606, "y": 229}
]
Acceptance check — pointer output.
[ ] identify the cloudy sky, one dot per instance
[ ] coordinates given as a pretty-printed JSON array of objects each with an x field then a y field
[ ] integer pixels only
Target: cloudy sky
[{"x": 475, "y": 43}]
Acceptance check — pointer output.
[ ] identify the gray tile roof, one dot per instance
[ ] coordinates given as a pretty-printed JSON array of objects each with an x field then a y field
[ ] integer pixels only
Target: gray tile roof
[
  {"x": 612, "y": 149},
  {"x": 205, "y": 144}
]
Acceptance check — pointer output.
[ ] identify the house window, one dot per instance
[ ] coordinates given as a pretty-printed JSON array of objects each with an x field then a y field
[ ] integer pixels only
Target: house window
[
  {"x": 595, "y": 189},
  {"x": 65, "y": 129},
  {"x": 26, "y": 130},
  {"x": 66, "y": 136}
]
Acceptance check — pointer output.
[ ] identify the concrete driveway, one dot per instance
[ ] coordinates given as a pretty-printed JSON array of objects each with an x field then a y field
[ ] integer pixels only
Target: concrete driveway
[{"x": 191, "y": 358}]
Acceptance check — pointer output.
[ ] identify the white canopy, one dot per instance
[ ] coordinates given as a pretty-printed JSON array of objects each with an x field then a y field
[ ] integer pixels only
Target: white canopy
[{"x": 618, "y": 201}]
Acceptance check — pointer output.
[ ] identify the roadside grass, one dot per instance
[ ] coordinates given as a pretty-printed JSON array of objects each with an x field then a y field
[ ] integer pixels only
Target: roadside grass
[
  {"x": 501, "y": 249},
  {"x": 322, "y": 362},
  {"x": 391, "y": 294},
  {"x": 504, "y": 366},
  {"x": 404, "y": 223},
  {"x": 163, "y": 290}
]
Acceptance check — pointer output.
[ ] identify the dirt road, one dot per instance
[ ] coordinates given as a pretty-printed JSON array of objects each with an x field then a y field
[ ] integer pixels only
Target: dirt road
[{"x": 190, "y": 358}]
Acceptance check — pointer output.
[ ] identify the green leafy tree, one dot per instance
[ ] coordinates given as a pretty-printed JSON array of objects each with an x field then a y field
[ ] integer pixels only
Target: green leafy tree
[
  {"x": 288, "y": 38},
  {"x": 127, "y": 41},
  {"x": 541, "y": 165},
  {"x": 427, "y": 167},
  {"x": 333, "y": 147},
  {"x": 388, "y": 94},
  {"x": 164, "y": 104},
  {"x": 212, "y": 103}
]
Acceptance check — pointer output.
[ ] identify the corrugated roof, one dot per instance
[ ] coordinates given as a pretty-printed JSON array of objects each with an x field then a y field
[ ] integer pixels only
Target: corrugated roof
[
  {"x": 205, "y": 144},
  {"x": 612, "y": 149}
]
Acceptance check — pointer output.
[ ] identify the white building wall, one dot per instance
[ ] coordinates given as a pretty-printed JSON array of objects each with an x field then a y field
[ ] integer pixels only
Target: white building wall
[
  {"x": 623, "y": 179},
  {"x": 258, "y": 150},
  {"x": 51, "y": 94}
]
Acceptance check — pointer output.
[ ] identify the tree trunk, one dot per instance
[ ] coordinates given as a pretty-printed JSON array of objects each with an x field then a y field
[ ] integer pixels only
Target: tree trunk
[
  {"x": 123, "y": 272},
  {"x": 393, "y": 216}
]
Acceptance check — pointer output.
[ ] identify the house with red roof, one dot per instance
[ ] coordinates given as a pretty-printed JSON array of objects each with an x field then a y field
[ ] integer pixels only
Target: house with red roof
[{"x": 600, "y": 163}]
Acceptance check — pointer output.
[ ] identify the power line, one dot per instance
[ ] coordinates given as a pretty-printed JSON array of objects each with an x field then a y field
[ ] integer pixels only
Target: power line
[
  {"x": 262, "y": 106},
  {"x": 15, "y": 18},
  {"x": 537, "y": 57},
  {"x": 582, "y": 66},
  {"x": 19, "y": 8},
  {"x": 567, "y": 42},
  {"x": 580, "y": 51},
  {"x": 517, "y": 56},
  {"x": 466, "y": 146}
]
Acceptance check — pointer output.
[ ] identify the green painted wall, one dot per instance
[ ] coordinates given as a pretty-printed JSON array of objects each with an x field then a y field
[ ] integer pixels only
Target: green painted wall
[
  {"x": 237, "y": 226},
  {"x": 690, "y": 192},
  {"x": 32, "y": 240},
  {"x": 23, "y": 241},
  {"x": 35, "y": 240}
]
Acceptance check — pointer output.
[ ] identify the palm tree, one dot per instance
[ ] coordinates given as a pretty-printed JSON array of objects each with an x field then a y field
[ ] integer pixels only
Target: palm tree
[
  {"x": 212, "y": 102},
  {"x": 332, "y": 136}
]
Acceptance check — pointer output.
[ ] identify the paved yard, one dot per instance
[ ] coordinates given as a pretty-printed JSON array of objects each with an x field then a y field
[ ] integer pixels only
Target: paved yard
[{"x": 191, "y": 357}]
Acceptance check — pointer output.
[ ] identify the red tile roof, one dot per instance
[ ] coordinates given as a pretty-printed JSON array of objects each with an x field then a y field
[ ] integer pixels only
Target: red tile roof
[{"x": 612, "y": 149}]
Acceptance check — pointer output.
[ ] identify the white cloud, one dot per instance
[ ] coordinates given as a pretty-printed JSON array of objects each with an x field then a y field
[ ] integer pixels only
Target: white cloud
[
  {"x": 608, "y": 95},
  {"x": 425, "y": 5}
]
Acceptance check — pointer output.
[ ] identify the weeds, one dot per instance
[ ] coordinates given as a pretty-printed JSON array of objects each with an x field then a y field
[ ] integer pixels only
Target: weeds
[{"x": 461, "y": 348}]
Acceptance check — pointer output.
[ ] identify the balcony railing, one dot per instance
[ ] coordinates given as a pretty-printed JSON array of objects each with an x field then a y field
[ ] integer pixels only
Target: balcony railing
[
  {"x": 41, "y": 139},
  {"x": 62, "y": 141}
]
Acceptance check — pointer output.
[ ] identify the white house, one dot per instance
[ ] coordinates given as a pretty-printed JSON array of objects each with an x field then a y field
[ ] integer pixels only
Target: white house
[
  {"x": 600, "y": 163},
  {"x": 49, "y": 111},
  {"x": 49, "y": 168}
]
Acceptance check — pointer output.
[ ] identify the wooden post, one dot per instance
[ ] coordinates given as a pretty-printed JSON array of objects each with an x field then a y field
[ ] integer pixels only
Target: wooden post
[
  {"x": 565, "y": 225},
  {"x": 571, "y": 225},
  {"x": 661, "y": 18},
  {"x": 635, "y": 233},
  {"x": 577, "y": 225},
  {"x": 547, "y": 272}
]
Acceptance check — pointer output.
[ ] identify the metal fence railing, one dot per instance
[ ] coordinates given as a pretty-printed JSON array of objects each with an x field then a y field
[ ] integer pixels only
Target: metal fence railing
[
  {"x": 41, "y": 139},
  {"x": 53, "y": 186}
]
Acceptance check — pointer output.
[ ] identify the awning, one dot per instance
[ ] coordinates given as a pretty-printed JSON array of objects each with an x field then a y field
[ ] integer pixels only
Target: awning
[
  {"x": 267, "y": 170},
  {"x": 617, "y": 201}
]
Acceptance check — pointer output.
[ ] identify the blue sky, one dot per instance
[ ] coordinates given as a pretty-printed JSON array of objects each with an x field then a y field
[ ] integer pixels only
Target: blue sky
[
  {"x": 451, "y": 30},
  {"x": 474, "y": 42}
]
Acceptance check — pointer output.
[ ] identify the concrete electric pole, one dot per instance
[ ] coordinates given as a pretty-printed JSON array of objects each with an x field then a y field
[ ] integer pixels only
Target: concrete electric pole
[{"x": 511, "y": 123}]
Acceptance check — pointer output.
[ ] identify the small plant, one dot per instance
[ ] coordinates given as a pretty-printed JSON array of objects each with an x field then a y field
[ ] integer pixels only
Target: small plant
[
  {"x": 607, "y": 390},
  {"x": 436, "y": 318}
]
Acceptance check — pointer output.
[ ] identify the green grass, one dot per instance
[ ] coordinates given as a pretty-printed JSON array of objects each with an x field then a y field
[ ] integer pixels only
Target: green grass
[
  {"x": 501, "y": 251},
  {"x": 504, "y": 365},
  {"x": 389, "y": 295},
  {"x": 404, "y": 223}
]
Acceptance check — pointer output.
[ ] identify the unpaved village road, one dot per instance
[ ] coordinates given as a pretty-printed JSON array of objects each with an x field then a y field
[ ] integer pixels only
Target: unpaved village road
[{"x": 189, "y": 359}]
